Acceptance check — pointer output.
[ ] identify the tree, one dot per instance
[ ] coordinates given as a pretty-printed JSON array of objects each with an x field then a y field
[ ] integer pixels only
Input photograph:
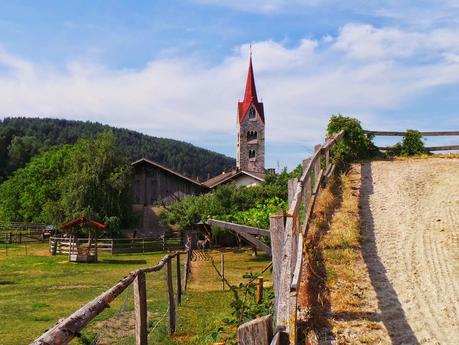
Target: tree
[{"x": 91, "y": 178}]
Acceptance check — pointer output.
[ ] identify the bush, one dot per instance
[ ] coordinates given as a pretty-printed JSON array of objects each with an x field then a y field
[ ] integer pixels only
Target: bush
[
  {"x": 412, "y": 143},
  {"x": 355, "y": 145}
]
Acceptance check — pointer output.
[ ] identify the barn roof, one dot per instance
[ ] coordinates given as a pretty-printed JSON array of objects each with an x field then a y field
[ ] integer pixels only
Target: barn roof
[
  {"x": 250, "y": 97},
  {"x": 231, "y": 175},
  {"x": 157, "y": 165}
]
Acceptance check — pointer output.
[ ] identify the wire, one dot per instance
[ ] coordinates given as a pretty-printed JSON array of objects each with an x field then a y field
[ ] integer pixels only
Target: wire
[{"x": 159, "y": 321}]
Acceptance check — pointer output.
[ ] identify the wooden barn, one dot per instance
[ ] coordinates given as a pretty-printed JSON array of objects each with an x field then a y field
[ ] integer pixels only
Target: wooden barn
[{"x": 155, "y": 184}]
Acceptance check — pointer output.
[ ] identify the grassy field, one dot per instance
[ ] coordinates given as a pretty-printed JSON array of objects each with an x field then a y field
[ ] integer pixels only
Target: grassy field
[{"x": 37, "y": 290}]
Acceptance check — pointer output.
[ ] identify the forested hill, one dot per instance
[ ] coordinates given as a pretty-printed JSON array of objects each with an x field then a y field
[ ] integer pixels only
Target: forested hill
[{"x": 23, "y": 138}]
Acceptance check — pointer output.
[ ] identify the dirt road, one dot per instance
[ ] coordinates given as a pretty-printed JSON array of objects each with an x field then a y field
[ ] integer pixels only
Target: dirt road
[{"x": 410, "y": 218}]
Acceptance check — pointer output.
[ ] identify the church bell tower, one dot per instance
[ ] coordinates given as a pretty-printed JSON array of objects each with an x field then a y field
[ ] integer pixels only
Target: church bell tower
[{"x": 250, "y": 128}]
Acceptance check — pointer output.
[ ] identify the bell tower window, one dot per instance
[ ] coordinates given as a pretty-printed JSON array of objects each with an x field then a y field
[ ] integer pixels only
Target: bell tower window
[
  {"x": 252, "y": 153},
  {"x": 251, "y": 135},
  {"x": 252, "y": 114}
]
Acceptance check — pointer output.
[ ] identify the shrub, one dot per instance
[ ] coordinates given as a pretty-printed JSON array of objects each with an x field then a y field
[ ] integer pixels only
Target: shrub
[
  {"x": 355, "y": 144},
  {"x": 412, "y": 144}
]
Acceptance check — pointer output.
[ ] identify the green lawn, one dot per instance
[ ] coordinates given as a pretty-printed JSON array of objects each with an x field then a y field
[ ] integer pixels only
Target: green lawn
[{"x": 37, "y": 290}]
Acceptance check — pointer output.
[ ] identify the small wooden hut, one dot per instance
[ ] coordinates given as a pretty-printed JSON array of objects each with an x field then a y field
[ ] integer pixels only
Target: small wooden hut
[{"x": 85, "y": 251}]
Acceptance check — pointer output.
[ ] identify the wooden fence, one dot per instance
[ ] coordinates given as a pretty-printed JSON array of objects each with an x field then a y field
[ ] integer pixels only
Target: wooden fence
[
  {"x": 67, "y": 329},
  {"x": 288, "y": 231},
  {"x": 424, "y": 134},
  {"x": 20, "y": 237},
  {"x": 61, "y": 245}
]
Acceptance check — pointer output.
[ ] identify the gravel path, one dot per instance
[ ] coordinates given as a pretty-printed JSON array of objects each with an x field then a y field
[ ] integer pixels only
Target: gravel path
[{"x": 410, "y": 218}]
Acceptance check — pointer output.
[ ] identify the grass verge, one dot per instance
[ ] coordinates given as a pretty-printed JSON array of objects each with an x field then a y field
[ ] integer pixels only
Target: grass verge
[
  {"x": 37, "y": 290},
  {"x": 338, "y": 302}
]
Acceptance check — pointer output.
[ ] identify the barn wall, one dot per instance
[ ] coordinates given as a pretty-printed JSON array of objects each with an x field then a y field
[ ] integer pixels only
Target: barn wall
[{"x": 153, "y": 185}]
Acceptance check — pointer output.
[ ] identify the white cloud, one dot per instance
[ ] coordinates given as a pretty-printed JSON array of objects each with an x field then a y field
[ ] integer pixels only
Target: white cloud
[{"x": 362, "y": 70}]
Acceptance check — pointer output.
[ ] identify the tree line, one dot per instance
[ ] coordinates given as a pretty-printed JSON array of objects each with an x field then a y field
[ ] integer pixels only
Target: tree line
[
  {"x": 92, "y": 178},
  {"x": 23, "y": 138}
]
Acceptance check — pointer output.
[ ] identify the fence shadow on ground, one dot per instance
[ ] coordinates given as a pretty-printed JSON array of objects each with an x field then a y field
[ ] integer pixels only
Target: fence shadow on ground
[
  {"x": 392, "y": 314},
  {"x": 123, "y": 262}
]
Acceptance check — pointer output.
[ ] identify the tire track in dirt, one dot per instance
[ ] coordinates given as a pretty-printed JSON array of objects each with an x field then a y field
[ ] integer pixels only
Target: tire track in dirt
[{"x": 410, "y": 218}]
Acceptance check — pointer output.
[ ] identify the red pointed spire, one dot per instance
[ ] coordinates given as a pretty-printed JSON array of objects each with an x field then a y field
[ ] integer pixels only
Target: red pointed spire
[
  {"x": 250, "y": 89},
  {"x": 250, "y": 96}
]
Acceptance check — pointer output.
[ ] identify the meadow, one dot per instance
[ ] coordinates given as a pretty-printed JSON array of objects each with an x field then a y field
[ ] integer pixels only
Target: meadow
[{"x": 36, "y": 290}]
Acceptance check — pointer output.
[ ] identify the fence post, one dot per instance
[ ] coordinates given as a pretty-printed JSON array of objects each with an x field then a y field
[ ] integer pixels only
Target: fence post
[
  {"x": 260, "y": 290},
  {"x": 317, "y": 163},
  {"x": 187, "y": 267},
  {"x": 140, "y": 305},
  {"x": 292, "y": 184},
  {"x": 277, "y": 228},
  {"x": 170, "y": 290},
  {"x": 256, "y": 332},
  {"x": 222, "y": 269},
  {"x": 179, "y": 281}
]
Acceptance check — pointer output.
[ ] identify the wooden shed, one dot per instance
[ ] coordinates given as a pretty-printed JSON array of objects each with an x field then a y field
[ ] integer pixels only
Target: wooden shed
[{"x": 155, "y": 184}]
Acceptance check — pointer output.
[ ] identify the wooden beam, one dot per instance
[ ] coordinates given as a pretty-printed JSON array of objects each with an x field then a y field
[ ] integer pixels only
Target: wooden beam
[
  {"x": 70, "y": 327},
  {"x": 255, "y": 241},
  {"x": 432, "y": 148},
  {"x": 277, "y": 229},
  {"x": 402, "y": 134},
  {"x": 256, "y": 332},
  {"x": 170, "y": 293},
  {"x": 179, "y": 282},
  {"x": 245, "y": 232},
  {"x": 140, "y": 307},
  {"x": 238, "y": 227}
]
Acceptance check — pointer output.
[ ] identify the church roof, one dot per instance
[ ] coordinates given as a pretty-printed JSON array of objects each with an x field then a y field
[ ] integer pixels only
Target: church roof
[
  {"x": 250, "y": 97},
  {"x": 231, "y": 175}
]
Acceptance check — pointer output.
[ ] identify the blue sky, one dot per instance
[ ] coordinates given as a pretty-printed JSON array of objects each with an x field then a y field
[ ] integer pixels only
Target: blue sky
[{"x": 177, "y": 68}]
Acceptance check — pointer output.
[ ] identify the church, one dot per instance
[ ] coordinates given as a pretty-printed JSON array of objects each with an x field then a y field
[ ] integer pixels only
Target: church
[{"x": 155, "y": 184}]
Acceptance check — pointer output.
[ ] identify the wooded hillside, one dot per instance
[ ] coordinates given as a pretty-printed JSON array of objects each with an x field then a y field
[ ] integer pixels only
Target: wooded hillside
[{"x": 22, "y": 138}]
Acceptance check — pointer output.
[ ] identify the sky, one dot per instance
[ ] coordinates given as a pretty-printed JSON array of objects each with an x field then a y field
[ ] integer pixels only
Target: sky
[{"x": 177, "y": 69}]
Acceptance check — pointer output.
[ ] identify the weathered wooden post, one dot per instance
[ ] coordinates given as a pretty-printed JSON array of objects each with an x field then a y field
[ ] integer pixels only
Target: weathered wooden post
[
  {"x": 189, "y": 253},
  {"x": 140, "y": 306},
  {"x": 222, "y": 269},
  {"x": 292, "y": 184},
  {"x": 317, "y": 164},
  {"x": 256, "y": 332},
  {"x": 96, "y": 250},
  {"x": 170, "y": 290},
  {"x": 179, "y": 281},
  {"x": 260, "y": 290},
  {"x": 277, "y": 229}
]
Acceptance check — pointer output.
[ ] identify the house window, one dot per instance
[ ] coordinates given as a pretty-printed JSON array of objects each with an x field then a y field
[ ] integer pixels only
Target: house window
[
  {"x": 251, "y": 135},
  {"x": 251, "y": 153},
  {"x": 252, "y": 114}
]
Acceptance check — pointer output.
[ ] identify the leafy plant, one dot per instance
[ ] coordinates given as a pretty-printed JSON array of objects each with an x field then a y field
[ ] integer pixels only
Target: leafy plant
[
  {"x": 412, "y": 143},
  {"x": 245, "y": 205},
  {"x": 246, "y": 308},
  {"x": 355, "y": 144}
]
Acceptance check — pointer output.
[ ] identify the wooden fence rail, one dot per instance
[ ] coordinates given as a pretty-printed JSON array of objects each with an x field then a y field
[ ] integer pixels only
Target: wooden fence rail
[
  {"x": 288, "y": 231},
  {"x": 67, "y": 329},
  {"x": 61, "y": 245},
  {"x": 424, "y": 134}
]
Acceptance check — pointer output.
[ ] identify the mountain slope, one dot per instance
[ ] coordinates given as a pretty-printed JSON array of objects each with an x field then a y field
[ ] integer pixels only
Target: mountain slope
[{"x": 22, "y": 138}]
